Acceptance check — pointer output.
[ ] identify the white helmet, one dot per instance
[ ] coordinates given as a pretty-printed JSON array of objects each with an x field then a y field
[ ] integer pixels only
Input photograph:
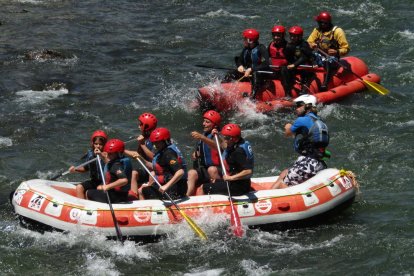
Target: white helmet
[{"x": 306, "y": 99}]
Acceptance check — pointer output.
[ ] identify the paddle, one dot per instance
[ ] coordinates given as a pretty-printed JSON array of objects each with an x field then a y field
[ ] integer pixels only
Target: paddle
[
  {"x": 369, "y": 84},
  {"x": 190, "y": 222},
  {"x": 235, "y": 219},
  {"x": 116, "y": 225},
  {"x": 77, "y": 167}
]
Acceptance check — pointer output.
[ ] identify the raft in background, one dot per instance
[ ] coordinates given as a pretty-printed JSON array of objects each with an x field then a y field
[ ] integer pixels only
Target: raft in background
[
  {"x": 53, "y": 205},
  {"x": 227, "y": 96}
]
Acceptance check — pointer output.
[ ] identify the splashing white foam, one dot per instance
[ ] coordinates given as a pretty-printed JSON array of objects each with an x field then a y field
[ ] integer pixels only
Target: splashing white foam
[
  {"x": 100, "y": 266},
  {"x": 401, "y": 124},
  {"x": 203, "y": 272},
  {"x": 35, "y": 97},
  {"x": 223, "y": 13},
  {"x": 252, "y": 268},
  {"x": 5, "y": 142},
  {"x": 406, "y": 34}
]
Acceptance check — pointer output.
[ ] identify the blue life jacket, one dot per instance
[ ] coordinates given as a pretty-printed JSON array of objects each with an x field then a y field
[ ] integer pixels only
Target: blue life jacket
[
  {"x": 149, "y": 145},
  {"x": 247, "y": 148},
  {"x": 314, "y": 142},
  {"x": 318, "y": 134},
  {"x": 210, "y": 157},
  {"x": 93, "y": 167}
]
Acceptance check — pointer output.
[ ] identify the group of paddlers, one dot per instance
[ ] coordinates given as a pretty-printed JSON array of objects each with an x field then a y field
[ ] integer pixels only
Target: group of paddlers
[
  {"x": 285, "y": 60},
  {"x": 222, "y": 159}
]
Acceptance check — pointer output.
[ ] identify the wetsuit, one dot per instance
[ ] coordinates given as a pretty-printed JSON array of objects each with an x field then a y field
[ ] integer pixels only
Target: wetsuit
[
  {"x": 166, "y": 163},
  {"x": 114, "y": 170},
  {"x": 237, "y": 158},
  {"x": 143, "y": 176},
  {"x": 95, "y": 176},
  {"x": 256, "y": 58},
  {"x": 298, "y": 54}
]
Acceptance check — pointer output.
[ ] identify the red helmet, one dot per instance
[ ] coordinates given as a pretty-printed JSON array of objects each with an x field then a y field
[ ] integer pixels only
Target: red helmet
[
  {"x": 231, "y": 130},
  {"x": 213, "y": 116},
  {"x": 323, "y": 16},
  {"x": 99, "y": 133},
  {"x": 148, "y": 120},
  {"x": 160, "y": 134},
  {"x": 296, "y": 30},
  {"x": 251, "y": 34},
  {"x": 278, "y": 29},
  {"x": 114, "y": 145}
]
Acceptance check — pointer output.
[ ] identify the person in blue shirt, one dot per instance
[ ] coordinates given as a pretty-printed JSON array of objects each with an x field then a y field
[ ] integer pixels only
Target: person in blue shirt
[{"x": 311, "y": 140}]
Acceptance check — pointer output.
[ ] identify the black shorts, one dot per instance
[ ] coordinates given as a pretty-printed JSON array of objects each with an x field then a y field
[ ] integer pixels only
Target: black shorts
[
  {"x": 203, "y": 176},
  {"x": 90, "y": 184},
  {"x": 175, "y": 192},
  {"x": 237, "y": 188},
  {"x": 100, "y": 196},
  {"x": 143, "y": 176}
]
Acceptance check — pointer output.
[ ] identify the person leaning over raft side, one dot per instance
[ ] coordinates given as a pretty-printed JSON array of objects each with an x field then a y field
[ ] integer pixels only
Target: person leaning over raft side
[
  {"x": 253, "y": 58},
  {"x": 298, "y": 52},
  {"x": 117, "y": 173},
  {"x": 169, "y": 167},
  {"x": 239, "y": 162},
  {"x": 147, "y": 123},
  {"x": 98, "y": 140},
  {"x": 330, "y": 39},
  {"x": 206, "y": 157},
  {"x": 311, "y": 140}
]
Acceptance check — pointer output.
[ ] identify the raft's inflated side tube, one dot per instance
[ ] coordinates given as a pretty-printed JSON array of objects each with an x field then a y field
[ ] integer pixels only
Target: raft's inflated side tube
[
  {"x": 226, "y": 96},
  {"x": 53, "y": 204},
  {"x": 331, "y": 95}
]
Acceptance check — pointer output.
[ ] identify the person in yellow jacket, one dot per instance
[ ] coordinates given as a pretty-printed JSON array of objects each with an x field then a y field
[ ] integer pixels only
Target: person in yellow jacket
[{"x": 331, "y": 41}]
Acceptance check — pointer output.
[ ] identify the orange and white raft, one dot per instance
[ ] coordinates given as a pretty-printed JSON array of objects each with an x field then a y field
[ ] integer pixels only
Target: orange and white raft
[
  {"x": 53, "y": 204},
  {"x": 232, "y": 95}
]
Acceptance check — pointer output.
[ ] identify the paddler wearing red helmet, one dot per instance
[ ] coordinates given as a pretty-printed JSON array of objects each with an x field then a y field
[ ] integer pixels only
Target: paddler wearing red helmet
[{"x": 206, "y": 160}]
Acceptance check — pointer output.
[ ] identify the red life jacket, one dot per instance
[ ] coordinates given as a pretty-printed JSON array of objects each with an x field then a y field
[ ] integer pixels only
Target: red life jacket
[{"x": 276, "y": 55}]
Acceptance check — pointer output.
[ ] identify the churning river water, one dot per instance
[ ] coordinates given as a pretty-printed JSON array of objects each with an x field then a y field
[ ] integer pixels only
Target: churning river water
[{"x": 118, "y": 59}]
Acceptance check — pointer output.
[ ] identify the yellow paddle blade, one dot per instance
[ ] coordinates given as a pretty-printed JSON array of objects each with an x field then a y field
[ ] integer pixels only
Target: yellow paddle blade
[
  {"x": 376, "y": 87},
  {"x": 193, "y": 225}
]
